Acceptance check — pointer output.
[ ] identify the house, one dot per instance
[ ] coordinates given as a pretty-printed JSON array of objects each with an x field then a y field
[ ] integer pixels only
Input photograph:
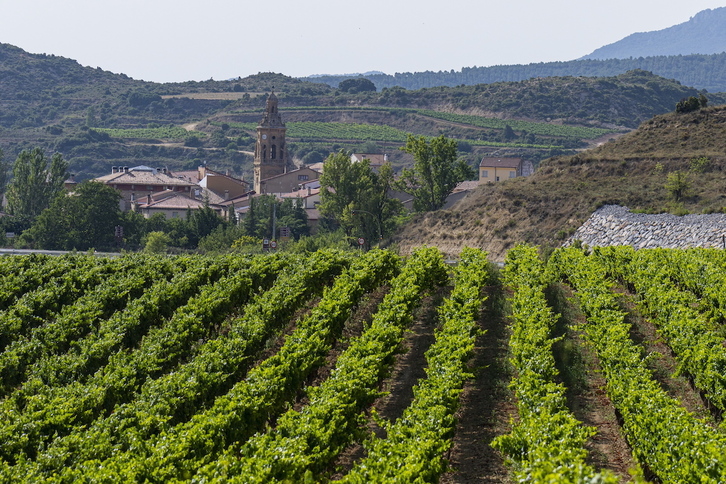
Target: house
[
  {"x": 222, "y": 185},
  {"x": 138, "y": 182},
  {"x": 376, "y": 160},
  {"x": 499, "y": 169},
  {"x": 461, "y": 191},
  {"x": 317, "y": 166},
  {"x": 288, "y": 181},
  {"x": 307, "y": 195},
  {"x": 172, "y": 205}
]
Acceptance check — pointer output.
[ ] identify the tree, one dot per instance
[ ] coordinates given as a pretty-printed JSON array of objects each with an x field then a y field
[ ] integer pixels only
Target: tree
[
  {"x": 250, "y": 220},
  {"x": 83, "y": 219},
  {"x": 157, "y": 242},
  {"x": 292, "y": 214},
  {"x": 202, "y": 222},
  {"x": 677, "y": 185},
  {"x": 35, "y": 183},
  {"x": 356, "y": 198},
  {"x": 354, "y": 86},
  {"x": 436, "y": 171},
  {"x": 693, "y": 103},
  {"x": 3, "y": 173}
]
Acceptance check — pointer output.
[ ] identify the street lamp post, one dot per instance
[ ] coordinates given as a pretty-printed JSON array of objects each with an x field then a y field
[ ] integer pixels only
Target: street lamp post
[{"x": 378, "y": 223}]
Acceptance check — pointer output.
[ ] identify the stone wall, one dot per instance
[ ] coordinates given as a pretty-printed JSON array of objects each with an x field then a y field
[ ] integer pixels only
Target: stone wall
[{"x": 616, "y": 225}]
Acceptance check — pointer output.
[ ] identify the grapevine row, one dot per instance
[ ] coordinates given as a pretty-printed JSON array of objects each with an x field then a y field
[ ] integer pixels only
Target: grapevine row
[
  {"x": 415, "y": 444},
  {"x": 664, "y": 436},
  {"x": 306, "y": 441},
  {"x": 49, "y": 415},
  {"x": 124, "y": 328},
  {"x": 698, "y": 347},
  {"x": 34, "y": 307},
  {"x": 21, "y": 274},
  {"x": 178, "y": 451},
  {"x": 130, "y": 279},
  {"x": 547, "y": 443},
  {"x": 175, "y": 397}
]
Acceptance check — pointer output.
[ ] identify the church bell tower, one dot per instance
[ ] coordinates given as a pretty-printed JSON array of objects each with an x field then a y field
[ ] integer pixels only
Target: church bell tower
[{"x": 270, "y": 150}]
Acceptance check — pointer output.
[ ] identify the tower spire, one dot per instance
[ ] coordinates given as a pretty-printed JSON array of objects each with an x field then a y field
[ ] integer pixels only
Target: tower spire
[{"x": 270, "y": 150}]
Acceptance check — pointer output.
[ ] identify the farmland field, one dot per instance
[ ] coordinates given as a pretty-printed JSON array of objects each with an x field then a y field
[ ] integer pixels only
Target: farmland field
[
  {"x": 336, "y": 366},
  {"x": 310, "y": 131}
]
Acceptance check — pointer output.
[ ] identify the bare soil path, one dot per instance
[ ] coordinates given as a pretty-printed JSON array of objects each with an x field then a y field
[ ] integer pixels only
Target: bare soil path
[
  {"x": 487, "y": 404},
  {"x": 586, "y": 395},
  {"x": 408, "y": 368}
]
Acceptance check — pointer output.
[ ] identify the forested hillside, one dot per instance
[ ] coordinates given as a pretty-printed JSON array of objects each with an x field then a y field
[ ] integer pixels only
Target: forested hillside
[
  {"x": 624, "y": 100},
  {"x": 700, "y": 71}
]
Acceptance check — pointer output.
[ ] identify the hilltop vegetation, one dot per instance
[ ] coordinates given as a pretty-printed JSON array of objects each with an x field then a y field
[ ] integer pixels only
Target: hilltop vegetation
[
  {"x": 548, "y": 206},
  {"x": 697, "y": 70},
  {"x": 624, "y": 100}
]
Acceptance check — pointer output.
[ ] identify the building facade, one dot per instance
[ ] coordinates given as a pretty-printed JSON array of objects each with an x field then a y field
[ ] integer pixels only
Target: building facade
[
  {"x": 136, "y": 183},
  {"x": 499, "y": 169},
  {"x": 270, "y": 149}
]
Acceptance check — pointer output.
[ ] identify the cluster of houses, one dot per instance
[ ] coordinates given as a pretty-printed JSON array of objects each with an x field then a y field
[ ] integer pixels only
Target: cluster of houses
[
  {"x": 152, "y": 191},
  {"x": 157, "y": 190}
]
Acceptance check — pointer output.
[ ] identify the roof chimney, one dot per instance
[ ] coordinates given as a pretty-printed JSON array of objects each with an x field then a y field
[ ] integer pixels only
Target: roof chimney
[
  {"x": 114, "y": 169},
  {"x": 226, "y": 194},
  {"x": 148, "y": 199},
  {"x": 385, "y": 156}
]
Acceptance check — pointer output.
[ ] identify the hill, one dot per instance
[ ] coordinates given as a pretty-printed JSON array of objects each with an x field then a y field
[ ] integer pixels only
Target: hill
[
  {"x": 697, "y": 70},
  {"x": 693, "y": 53},
  {"x": 549, "y": 206},
  {"x": 704, "y": 33},
  {"x": 98, "y": 119}
]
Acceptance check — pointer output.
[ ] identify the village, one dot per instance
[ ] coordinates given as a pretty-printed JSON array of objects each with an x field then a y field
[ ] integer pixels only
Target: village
[{"x": 150, "y": 191}]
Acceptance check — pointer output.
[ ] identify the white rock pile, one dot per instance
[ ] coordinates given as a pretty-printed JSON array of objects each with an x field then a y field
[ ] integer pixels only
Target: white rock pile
[{"x": 616, "y": 225}]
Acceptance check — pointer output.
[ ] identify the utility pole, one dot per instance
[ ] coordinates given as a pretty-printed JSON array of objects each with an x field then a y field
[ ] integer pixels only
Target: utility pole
[{"x": 274, "y": 219}]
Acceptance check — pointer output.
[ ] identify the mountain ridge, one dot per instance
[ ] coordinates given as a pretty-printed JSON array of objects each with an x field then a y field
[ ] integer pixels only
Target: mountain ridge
[{"x": 704, "y": 33}]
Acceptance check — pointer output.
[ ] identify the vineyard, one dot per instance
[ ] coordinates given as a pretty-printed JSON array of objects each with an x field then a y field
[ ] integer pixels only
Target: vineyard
[
  {"x": 542, "y": 128},
  {"x": 316, "y": 131},
  {"x": 171, "y": 133},
  {"x": 361, "y": 368}
]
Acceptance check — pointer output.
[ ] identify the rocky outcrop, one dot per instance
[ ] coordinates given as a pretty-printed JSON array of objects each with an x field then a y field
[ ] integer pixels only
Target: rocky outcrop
[{"x": 616, "y": 225}]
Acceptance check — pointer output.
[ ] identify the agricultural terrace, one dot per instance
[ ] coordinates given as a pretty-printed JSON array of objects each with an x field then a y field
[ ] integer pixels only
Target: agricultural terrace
[{"x": 340, "y": 366}]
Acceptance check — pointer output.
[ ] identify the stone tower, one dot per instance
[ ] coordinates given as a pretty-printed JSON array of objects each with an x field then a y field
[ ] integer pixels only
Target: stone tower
[{"x": 270, "y": 150}]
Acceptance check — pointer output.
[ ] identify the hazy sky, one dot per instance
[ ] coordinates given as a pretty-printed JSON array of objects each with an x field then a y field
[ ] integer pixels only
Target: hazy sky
[{"x": 165, "y": 40}]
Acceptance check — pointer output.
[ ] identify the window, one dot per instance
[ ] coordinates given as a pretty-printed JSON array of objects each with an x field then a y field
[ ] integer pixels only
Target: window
[
  {"x": 273, "y": 151},
  {"x": 174, "y": 214},
  {"x": 485, "y": 173},
  {"x": 512, "y": 174},
  {"x": 497, "y": 178},
  {"x": 302, "y": 177}
]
